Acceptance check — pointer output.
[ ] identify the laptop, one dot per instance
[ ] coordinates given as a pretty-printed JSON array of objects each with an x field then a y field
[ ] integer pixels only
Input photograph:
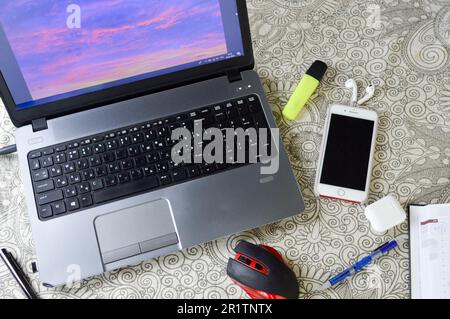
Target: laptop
[{"x": 96, "y": 90}]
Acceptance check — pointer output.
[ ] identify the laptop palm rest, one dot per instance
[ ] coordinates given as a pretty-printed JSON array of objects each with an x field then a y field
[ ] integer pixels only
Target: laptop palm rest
[{"x": 135, "y": 231}]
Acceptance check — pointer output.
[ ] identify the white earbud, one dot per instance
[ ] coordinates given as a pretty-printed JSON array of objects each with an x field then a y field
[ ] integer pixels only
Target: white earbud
[
  {"x": 351, "y": 84},
  {"x": 370, "y": 92}
]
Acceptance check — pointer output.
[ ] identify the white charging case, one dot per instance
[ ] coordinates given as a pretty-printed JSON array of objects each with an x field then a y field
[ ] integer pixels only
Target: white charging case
[{"x": 385, "y": 214}]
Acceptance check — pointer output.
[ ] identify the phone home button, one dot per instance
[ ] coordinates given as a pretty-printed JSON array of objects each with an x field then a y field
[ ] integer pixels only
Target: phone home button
[{"x": 341, "y": 192}]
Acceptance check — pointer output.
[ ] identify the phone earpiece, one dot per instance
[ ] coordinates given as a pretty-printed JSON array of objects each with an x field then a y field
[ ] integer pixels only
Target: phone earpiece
[
  {"x": 370, "y": 92},
  {"x": 351, "y": 84}
]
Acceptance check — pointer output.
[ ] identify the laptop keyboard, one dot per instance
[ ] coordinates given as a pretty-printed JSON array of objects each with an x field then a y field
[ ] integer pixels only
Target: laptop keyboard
[{"x": 94, "y": 170}]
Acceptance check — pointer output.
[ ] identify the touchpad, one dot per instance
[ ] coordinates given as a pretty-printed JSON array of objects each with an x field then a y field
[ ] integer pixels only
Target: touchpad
[{"x": 135, "y": 231}]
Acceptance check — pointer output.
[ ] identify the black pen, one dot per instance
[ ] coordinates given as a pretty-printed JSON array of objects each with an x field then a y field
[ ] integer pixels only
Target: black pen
[{"x": 18, "y": 274}]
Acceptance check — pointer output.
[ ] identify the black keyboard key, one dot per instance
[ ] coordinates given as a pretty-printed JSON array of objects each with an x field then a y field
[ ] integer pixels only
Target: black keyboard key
[
  {"x": 165, "y": 179},
  {"x": 150, "y": 170},
  {"x": 137, "y": 138},
  {"x": 99, "y": 148},
  {"x": 136, "y": 174},
  {"x": 69, "y": 168},
  {"x": 149, "y": 135},
  {"x": 246, "y": 122},
  {"x": 153, "y": 158},
  {"x": 232, "y": 113},
  {"x": 126, "y": 164},
  {"x": 134, "y": 129},
  {"x": 124, "y": 141},
  {"x": 181, "y": 117},
  {"x": 47, "y": 152},
  {"x": 159, "y": 143},
  {"x": 86, "y": 151},
  {"x": 35, "y": 155},
  {"x": 96, "y": 184},
  {"x": 86, "y": 201},
  {"x": 146, "y": 147},
  {"x": 254, "y": 106},
  {"x": 134, "y": 150},
  {"x": 59, "y": 208},
  {"x": 72, "y": 204},
  {"x": 162, "y": 132},
  {"x": 45, "y": 211},
  {"x": 260, "y": 121},
  {"x": 243, "y": 110},
  {"x": 82, "y": 164},
  {"x": 86, "y": 142},
  {"x": 101, "y": 171},
  {"x": 221, "y": 116},
  {"x": 88, "y": 174},
  {"x": 61, "y": 181},
  {"x": 97, "y": 139},
  {"x": 113, "y": 168},
  {"x": 110, "y": 135},
  {"x": 40, "y": 175},
  {"x": 45, "y": 186},
  {"x": 170, "y": 120},
  {"x": 35, "y": 164},
  {"x": 60, "y": 158},
  {"x": 208, "y": 168},
  {"x": 111, "y": 145},
  {"x": 73, "y": 155},
  {"x": 50, "y": 197},
  {"x": 173, "y": 165},
  {"x": 83, "y": 188},
  {"x": 131, "y": 188},
  {"x": 121, "y": 154},
  {"x": 140, "y": 161},
  {"x": 96, "y": 160},
  {"x": 70, "y": 191},
  {"x": 165, "y": 155},
  {"x": 110, "y": 181},
  {"x": 56, "y": 171},
  {"x": 123, "y": 178},
  {"x": 60, "y": 148},
  {"x": 162, "y": 167},
  {"x": 193, "y": 171},
  {"x": 74, "y": 178},
  {"x": 73, "y": 145},
  {"x": 109, "y": 157},
  {"x": 179, "y": 175}
]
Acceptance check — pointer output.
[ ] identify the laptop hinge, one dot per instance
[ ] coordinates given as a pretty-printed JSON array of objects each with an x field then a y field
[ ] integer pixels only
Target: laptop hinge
[
  {"x": 39, "y": 124},
  {"x": 234, "y": 76}
]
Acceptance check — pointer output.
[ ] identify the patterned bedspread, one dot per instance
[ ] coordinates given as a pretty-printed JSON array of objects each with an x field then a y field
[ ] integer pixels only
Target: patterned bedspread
[{"x": 402, "y": 47}]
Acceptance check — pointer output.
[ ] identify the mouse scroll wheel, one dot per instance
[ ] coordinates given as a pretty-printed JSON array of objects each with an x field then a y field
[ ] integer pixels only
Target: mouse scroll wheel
[
  {"x": 245, "y": 260},
  {"x": 259, "y": 267}
]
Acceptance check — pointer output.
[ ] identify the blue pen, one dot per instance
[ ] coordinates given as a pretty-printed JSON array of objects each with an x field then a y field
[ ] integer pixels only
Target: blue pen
[{"x": 377, "y": 253}]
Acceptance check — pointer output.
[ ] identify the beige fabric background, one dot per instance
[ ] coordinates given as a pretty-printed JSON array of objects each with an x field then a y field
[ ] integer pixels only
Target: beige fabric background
[{"x": 400, "y": 46}]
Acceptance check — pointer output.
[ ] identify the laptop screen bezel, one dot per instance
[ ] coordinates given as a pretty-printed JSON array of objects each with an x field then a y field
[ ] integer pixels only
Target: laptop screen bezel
[{"x": 139, "y": 88}]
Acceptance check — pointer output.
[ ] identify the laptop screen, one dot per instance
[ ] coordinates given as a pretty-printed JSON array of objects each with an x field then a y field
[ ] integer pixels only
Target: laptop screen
[{"x": 52, "y": 49}]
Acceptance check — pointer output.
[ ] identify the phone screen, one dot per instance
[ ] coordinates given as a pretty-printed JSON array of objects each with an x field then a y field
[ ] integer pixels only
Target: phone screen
[{"x": 347, "y": 154}]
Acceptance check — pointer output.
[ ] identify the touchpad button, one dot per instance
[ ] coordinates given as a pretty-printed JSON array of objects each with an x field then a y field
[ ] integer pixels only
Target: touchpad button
[{"x": 135, "y": 230}]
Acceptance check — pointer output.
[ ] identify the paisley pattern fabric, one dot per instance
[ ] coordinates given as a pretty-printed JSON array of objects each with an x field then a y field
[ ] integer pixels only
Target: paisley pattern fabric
[{"x": 403, "y": 48}]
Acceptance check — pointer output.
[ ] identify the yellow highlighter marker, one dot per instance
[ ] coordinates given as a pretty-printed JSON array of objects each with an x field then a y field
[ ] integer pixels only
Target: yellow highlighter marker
[{"x": 304, "y": 90}]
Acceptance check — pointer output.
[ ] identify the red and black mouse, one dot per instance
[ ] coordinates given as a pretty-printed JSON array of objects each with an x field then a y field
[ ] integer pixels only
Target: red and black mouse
[{"x": 262, "y": 273}]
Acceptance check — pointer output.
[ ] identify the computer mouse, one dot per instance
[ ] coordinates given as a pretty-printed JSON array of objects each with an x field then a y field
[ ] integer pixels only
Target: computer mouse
[{"x": 261, "y": 271}]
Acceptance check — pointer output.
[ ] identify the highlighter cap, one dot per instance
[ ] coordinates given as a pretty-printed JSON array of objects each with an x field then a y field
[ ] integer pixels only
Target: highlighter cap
[{"x": 317, "y": 70}]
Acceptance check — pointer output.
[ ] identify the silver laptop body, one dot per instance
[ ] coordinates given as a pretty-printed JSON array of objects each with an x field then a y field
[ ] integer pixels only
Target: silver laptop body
[{"x": 137, "y": 228}]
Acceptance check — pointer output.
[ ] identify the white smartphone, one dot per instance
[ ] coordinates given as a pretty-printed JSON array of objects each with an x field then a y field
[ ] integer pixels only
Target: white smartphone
[{"x": 346, "y": 155}]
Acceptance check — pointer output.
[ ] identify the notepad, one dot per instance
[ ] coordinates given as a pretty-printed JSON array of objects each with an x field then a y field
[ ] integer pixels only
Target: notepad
[{"x": 430, "y": 251}]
